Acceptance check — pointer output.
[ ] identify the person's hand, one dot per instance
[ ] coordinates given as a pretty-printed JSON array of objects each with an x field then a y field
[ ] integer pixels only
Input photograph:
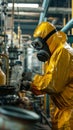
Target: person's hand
[{"x": 26, "y": 84}]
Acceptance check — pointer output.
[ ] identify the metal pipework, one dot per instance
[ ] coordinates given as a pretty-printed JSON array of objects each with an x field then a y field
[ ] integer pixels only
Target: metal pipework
[
  {"x": 68, "y": 26},
  {"x": 7, "y": 66},
  {"x": 45, "y": 6}
]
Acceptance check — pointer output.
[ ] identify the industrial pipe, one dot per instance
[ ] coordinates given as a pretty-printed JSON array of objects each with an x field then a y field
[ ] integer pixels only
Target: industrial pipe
[
  {"x": 52, "y": 10},
  {"x": 68, "y": 26},
  {"x": 45, "y": 6}
]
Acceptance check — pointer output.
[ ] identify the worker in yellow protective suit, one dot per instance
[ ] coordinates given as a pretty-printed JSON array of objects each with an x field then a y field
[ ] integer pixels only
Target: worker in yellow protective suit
[{"x": 57, "y": 80}]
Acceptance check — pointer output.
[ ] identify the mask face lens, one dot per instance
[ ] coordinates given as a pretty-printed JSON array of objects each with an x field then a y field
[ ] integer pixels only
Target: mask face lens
[{"x": 37, "y": 44}]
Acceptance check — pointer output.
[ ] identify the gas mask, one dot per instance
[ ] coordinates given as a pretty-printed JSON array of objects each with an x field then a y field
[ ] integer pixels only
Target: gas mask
[{"x": 40, "y": 44}]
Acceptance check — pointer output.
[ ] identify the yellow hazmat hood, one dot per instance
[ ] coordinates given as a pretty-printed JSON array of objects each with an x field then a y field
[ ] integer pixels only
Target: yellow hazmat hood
[{"x": 55, "y": 40}]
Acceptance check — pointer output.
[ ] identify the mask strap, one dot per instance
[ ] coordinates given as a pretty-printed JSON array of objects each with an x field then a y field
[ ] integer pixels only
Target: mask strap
[{"x": 50, "y": 34}]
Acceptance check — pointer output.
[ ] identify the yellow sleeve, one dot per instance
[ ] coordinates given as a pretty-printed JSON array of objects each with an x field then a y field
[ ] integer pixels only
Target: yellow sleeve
[{"x": 57, "y": 73}]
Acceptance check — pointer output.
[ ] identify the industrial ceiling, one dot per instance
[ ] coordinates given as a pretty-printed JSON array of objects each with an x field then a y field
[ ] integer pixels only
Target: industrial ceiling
[{"x": 28, "y": 18}]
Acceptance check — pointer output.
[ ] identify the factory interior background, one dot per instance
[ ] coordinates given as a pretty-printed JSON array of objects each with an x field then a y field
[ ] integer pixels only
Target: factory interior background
[{"x": 18, "y": 20}]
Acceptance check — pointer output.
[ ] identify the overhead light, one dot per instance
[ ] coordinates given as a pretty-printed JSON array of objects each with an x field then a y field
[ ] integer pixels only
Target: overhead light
[{"x": 23, "y": 5}]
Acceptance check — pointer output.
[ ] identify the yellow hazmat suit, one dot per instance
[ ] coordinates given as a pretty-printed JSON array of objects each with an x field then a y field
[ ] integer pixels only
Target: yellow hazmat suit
[{"x": 58, "y": 78}]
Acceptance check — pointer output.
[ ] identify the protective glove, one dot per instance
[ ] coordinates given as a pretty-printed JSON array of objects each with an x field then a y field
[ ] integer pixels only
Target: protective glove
[{"x": 25, "y": 85}]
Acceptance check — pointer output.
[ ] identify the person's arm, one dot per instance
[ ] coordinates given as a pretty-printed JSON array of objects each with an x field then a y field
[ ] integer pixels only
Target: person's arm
[{"x": 56, "y": 76}]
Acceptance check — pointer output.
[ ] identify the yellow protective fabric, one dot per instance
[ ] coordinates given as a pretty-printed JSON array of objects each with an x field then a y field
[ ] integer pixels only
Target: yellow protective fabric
[
  {"x": 58, "y": 82},
  {"x": 43, "y": 29}
]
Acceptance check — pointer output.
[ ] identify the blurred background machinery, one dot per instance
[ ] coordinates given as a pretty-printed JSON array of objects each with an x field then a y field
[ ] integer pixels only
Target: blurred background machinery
[{"x": 19, "y": 18}]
